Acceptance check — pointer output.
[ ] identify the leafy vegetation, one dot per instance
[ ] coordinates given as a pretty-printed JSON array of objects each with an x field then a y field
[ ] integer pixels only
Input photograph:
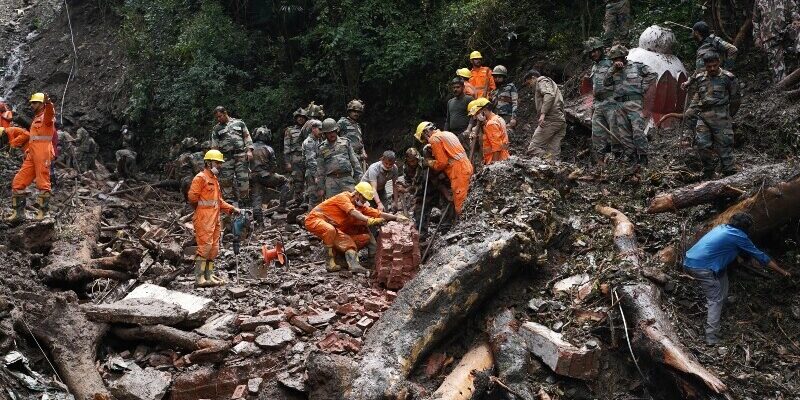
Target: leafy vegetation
[{"x": 262, "y": 60}]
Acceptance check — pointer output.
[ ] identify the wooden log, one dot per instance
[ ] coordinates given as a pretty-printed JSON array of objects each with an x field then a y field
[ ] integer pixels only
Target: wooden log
[
  {"x": 71, "y": 339},
  {"x": 790, "y": 80},
  {"x": 561, "y": 356},
  {"x": 71, "y": 262},
  {"x": 510, "y": 353},
  {"x": 461, "y": 383},
  {"x": 732, "y": 186},
  {"x": 460, "y": 278},
  {"x": 624, "y": 236},
  {"x": 653, "y": 336},
  {"x": 203, "y": 349},
  {"x": 771, "y": 208}
]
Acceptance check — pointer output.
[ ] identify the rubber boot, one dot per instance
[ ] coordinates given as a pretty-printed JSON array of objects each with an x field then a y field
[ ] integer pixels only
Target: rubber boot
[
  {"x": 352, "y": 262},
  {"x": 372, "y": 248},
  {"x": 17, "y": 208},
  {"x": 331, "y": 266},
  {"x": 211, "y": 278},
  {"x": 42, "y": 205},
  {"x": 200, "y": 272}
]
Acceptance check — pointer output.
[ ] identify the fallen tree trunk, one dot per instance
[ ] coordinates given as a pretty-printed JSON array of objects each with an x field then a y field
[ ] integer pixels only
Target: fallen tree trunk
[
  {"x": 653, "y": 336},
  {"x": 429, "y": 306},
  {"x": 71, "y": 339},
  {"x": 466, "y": 379},
  {"x": 790, "y": 80},
  {"x": 729, "y": 187},
  {"x": 70, "y": 261},
  {"x": 771, "y": 208},
  {"x": 203, "y": 349},
  {"x": 511, "y": 354}
]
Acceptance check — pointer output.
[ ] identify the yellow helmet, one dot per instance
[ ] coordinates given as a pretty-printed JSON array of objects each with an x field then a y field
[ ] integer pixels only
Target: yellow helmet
[
  {"x": 475, "y": 105},
  {"x": 214, "y": 155},
  {"x": 464, "y": 73},
  {"x": 475, "y": 54},
  {"x": 421, "y": 128},
  {"x": 37, "y": 97},
  {"x": 365, "y": 189}
]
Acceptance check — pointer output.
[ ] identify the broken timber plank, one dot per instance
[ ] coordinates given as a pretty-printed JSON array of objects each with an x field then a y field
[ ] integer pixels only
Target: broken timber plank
[
  {"x": 461, "y": 384},
  {"x": 561, "y": 356}
]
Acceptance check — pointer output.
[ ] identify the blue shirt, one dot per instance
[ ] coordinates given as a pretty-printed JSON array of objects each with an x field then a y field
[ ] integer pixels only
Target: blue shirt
[{"x": 717, "y": 248}]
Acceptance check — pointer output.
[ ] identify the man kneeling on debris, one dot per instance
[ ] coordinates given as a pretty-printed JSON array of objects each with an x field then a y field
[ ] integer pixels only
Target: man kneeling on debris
[
  {"x": 206, "y": 198},
  {"x": 708, "y": 259},
  {"x": 342, "y": 223}
]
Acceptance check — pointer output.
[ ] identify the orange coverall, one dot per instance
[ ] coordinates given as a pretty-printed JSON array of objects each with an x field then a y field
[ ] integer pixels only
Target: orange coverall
[
  {"x": 495, "y": 139},
  {"x": 469, "y": 90},
  {"x": 205, "y": 196},
  {"x": 39, "y": 152},
  {"x": 451, "y": 158},
  {"x": 331, "y": 221},
  {"x": 483, "y": 81}
]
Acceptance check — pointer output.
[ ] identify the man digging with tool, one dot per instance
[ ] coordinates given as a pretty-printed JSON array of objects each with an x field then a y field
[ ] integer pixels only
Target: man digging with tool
[
  {"x": 342, "y": 223},
  {"x": 450, "y": 157}
]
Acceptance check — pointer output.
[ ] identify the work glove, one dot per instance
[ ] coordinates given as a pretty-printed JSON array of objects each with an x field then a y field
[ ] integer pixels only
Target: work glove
[
  {"x": 375, "y": 221},
  {"x": 401, "y": 218}
]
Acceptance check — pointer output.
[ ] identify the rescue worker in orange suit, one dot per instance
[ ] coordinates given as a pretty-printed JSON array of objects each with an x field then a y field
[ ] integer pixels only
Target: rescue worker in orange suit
[
  {"x": 39, "y": 153},
  {"x": 448, "y": 156},
  {"x": 481, "y": 78},
  {"x": 464, "y": 74},
  {"x": 495, "y": 135},
  {"x": 205, "y": 196},
  {"x": 342, "y": 222}
]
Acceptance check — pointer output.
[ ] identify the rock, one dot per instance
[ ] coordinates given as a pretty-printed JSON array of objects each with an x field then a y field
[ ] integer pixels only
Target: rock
[
  {"x": 238, "y": 292},
  {"x": 562, "y": 357},
  {"x": 251, "y": 323},
  {"x": 322, "y": 318},
  {"x": 254, "y": 385},
  {"x": 292, "y": 382},
  {"x": 536, "y": 304},
  {"x": 141, "y": 384},
  {"x": 349, "y": 329},
  {"x": 246, "y": 349},
  {"x": 302, "y": 324},
  {"x": 198, "y": 308},
  {"x": 276, "y": 338},
  {"x": 567, "y": 284},
  {"x": 364, "y": 323},
  {"x": 220, "y": 326},
  {"x": 263, "y": 329},
  {"x": 239, "y": 392},
  {"x": 299, "y": 347},
  {"x": 141, "y": 311}
]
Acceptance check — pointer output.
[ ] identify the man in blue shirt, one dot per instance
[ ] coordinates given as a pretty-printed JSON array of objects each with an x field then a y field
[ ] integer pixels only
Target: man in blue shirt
[{"x": 708, "y": 259}]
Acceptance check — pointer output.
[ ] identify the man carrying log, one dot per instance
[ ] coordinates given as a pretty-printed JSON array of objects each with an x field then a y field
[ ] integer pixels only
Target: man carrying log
[
  {"x": 342, "y": 223},
  {"x": 708, "y": 259},
  {"x": 206, "y": 198}
]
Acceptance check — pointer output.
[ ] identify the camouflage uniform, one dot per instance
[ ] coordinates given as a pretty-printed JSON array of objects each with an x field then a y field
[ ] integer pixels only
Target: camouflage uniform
[
  {"x": 630, "y": 85},
  {"x": 715, "y": 103},
  {"x": 187, "y": 165},
  {"x": 233, "y": 140},
  {"x": 604, "y": 108},
  {"x": 126, "y": 163},
  {"x": 263, "y": 176},
  {"x": 66, "y": 150},
  {"x": 338, "y": 167},
  {"x": 293, "y": 155},
  {"x": 352, "y": 131},
  {"x": 617, "y": 19},
  {"x": 714, "y": 44},
  {"x": 127, "y": 138},
  {"x": 85, "y": 151},
  {"x": 773, "y": 31},
  {"x": 310, "y": 147},
  {"x": 549, "y": 101},
  {"x": 505, "y": 101}
]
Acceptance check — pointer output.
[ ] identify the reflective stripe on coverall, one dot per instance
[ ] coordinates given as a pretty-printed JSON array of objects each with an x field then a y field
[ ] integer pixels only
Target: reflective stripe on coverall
[
  {"x": 451, "y": 158},
  {"x": 205, "y": 196},
  {"x": 39, "y": 152},
  {"x": 495, "y": 139},
  {"x": 332, "y": 223},
  {"x": 479, "y": 79}
]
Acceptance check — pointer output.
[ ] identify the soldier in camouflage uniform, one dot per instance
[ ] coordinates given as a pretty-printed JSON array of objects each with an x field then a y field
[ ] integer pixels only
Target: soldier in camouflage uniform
[
  {"x": 776, "y": 24},
  {"x": 604, "y": 107},
  {"x": 189, "y": 163},
  {"x": 350, "y": 129},
  {"x": 505, "y": 98},
  {"x": 85, "y": 150},
  {"x": 231, "y": 137},
  {"x": 314, "y": 112},
  {"x": 310, "y": 146},
  {"x": 630, "y": 80},
  {"x": 126, "y": 163},
  {"x": 714, "y": 104},
  {"x": 338, "y": 167},
  {"x": 127, "y": 137},
  {"x": 616, "y": 22},
  {"x": 708, "y": 42},
  {"x": 263, "y": 176},
  {"x": 293, "y": 153},
  {"x": 66, "y": 150}
]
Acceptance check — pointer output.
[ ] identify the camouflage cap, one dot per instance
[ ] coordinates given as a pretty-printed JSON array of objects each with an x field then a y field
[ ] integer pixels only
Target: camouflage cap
[
  {"x": 355, "y": 105},
  {"x": 300, "y": 112},
  {"x": 592, "y": 44},
  {"x": 315, "y": 111},
  {"x": 329, "y": 125},
  {"x": 189, "y": 142}
]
